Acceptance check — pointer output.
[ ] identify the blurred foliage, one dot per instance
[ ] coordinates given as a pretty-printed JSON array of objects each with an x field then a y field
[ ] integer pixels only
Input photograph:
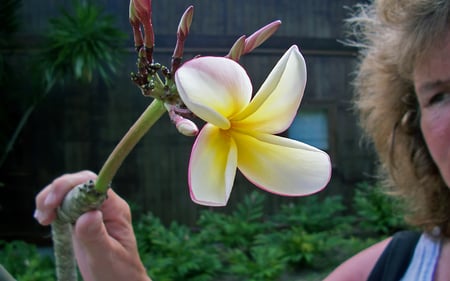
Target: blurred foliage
[
  {"x": 13, "y": 104},
  {"x": 248, "y": 244},
  {"x": 24, "y": 263},
  {"x": 80, "y": 44},
  {"x": 9, "y": 22},
  {"x": 9, "y": 25}
]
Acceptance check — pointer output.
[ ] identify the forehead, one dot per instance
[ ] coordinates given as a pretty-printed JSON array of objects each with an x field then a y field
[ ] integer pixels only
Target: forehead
[{"x": 433, "y": 67}]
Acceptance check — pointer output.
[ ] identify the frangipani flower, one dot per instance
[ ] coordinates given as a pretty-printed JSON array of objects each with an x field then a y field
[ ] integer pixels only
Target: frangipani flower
[{"x": 240, "y": 131}]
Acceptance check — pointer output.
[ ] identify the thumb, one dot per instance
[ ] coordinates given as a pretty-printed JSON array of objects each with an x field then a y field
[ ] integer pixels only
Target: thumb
[{"x": 91, "y": 233}]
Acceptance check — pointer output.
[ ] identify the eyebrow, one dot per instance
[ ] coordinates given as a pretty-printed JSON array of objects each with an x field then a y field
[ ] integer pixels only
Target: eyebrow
[{"x": 428, "y": 86}]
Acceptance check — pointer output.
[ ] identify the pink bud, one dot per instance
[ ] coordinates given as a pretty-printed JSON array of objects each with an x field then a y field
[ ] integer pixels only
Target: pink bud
[
  {"x": 187, "y": 127},
  {"x": 260, "y": 36},
  {"x": 143, "y": 12},
  {"x": 185, "y": 23},
  {"x": 143, "y": 9},
  {"x": 136, "y": 26},
  {"x": 182, "y": 32},
  {"x": 183, "y": 125},
  {"x": 238, "y": 49}
]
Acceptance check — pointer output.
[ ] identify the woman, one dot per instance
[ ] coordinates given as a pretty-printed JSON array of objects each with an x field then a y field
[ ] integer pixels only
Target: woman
[{"x": 403, "y": 96}]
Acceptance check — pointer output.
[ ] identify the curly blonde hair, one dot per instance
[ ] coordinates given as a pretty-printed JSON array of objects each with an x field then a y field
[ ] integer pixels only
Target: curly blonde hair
[{"x": 391, "y": 36}]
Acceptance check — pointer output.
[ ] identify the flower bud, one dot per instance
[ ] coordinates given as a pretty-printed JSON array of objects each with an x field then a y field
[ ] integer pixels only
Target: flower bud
[
  {"x": 142, "y": 11},
  {"x": 185, "y": 23},
  {"x": 187, "y": 127},
  {"x": 237, "y": 50},
  {"x": 260, "y": 36},
  {"x": 136, "y": 26},
  {"x": 183, "y": 125},
  {"x": 182, "y": 32}
]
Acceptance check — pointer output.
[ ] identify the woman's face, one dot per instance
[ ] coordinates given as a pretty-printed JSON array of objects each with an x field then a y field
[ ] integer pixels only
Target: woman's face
[{"x": 432, "y": 84}]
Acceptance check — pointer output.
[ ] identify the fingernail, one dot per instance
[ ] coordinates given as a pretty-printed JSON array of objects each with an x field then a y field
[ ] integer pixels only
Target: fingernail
[
  {"x": 38, "y": 216},
  {"x": 50, "y": 200}
]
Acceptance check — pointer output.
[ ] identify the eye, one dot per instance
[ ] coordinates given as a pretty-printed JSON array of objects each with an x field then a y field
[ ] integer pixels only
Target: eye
[{"x": 438, "y": 98}]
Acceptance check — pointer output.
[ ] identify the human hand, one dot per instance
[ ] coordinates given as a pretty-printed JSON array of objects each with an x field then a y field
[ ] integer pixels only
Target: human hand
[{"x": 104, "y": 242}]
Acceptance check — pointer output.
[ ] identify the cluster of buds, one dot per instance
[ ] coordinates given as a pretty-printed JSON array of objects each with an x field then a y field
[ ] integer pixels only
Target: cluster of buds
[
  {"x": 148, "y": 78},
  {"x": 153, "y": 79}
]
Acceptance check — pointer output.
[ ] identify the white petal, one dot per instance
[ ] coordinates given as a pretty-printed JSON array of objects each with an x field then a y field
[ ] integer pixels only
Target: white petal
[
  {"x": 212, "y": 167},
  {"x": 276, "y": 103},
  {"x": 281, "y": 165},
  {"x": 214, "y": 88}
]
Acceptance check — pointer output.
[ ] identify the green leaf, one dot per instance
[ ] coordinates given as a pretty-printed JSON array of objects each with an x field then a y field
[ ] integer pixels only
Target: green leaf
[{"x": 80, "y": 44}]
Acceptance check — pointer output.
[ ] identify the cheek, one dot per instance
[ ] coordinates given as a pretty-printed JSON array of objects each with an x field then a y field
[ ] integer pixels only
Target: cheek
[
  {"x": 436, "y": 131},
  {"x": 433, "y": 127}
]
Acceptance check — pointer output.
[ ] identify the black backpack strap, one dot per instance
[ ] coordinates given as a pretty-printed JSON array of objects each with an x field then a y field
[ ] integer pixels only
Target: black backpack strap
[{"x": 395, "y": 259}]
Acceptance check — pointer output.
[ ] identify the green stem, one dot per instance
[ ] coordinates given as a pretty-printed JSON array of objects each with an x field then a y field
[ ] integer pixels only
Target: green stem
[
  {"x": 91, "y": 195},
  {"x": 17, "y": 131},
  {"x": 21, "y": 125},
  {"x": 148, "y": 118}
]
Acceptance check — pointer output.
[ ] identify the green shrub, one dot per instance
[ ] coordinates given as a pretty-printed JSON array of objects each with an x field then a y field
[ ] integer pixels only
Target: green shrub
[
  {"x": 235, "y": 237},
  {"x": 80, "y": 44},
  {"x": 175, "y": 253},
  {"x": 262, "y": 263},
  {"x": 24, "y": 263},
  {"x": 378, "y": 214},
  {"x": 237, "y": 229},
  {"x": 309, "y": 232},
  {"x": 246, "y": 244},
  {"x": 314, "y": 215}
]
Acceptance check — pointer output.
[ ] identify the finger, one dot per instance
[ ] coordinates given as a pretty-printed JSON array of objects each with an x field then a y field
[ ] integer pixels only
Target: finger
[
  {"x": 117, "y": 219},
  {"x": 113, "y": 219},
  {"x": 90, "y": 231},
  {"x": 90, "y": 240},
  {"x": 52, "y": 195},
  {"x": 97, "y": 250}
]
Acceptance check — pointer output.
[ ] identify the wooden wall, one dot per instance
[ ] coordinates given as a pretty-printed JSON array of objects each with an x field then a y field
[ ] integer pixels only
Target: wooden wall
[{"x": 78, "y": 126}]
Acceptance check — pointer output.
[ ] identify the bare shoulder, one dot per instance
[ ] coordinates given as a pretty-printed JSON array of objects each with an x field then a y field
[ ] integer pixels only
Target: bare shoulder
[{"x": 358, "y": 267}]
